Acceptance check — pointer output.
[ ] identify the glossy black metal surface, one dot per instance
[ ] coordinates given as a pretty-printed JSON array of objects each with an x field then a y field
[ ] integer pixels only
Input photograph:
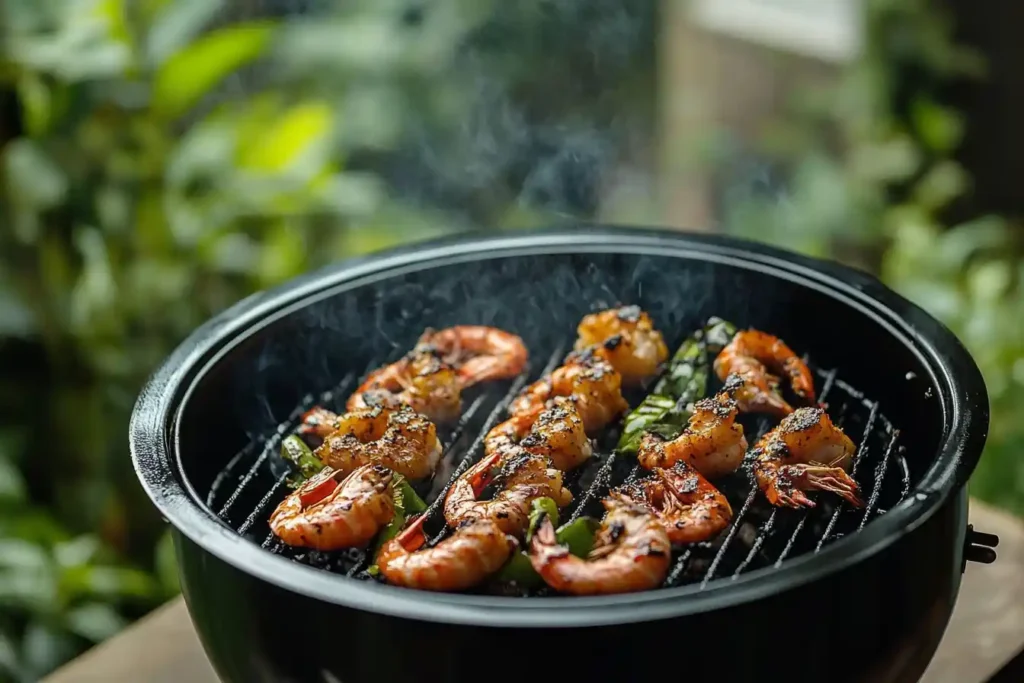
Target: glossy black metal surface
[
  {"x": 883, "y": 593},
  {"x": 878, "y": 621}
]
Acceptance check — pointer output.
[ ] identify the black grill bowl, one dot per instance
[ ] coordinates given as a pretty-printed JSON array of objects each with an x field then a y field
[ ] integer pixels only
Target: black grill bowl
[{"x": 859, "y": 596}]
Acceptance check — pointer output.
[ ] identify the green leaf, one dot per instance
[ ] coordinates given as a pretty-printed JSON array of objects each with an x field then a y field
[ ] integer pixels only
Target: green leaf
[
  {"x": 33, "y": 177},
  {"x": 9, "y": 664},
  {"x": 940, "y": 128},
  {"x": 76, "y": 552},
  {"x": 108, "y": 582},
  {"x": 12, "y": 484},
  {"x": 192, "y": 72},
  {"x": 943, "y": 183},
  {"x": 44, "y": 648},
  {"x": 36, "y": 105},
  {"x": 177, "y": 23},
  {"x": 95, "y": 621},
  {"x": 22, "y": 556},
  {"x": 304, "y": 128}
]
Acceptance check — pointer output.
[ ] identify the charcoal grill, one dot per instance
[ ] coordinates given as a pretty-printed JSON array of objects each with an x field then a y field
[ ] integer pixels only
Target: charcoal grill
[{"x": 833, "y": 593}]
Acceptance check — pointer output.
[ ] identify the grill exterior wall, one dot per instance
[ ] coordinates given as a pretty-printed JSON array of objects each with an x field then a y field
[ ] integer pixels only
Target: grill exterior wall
[{"x": 878, "y": 621}]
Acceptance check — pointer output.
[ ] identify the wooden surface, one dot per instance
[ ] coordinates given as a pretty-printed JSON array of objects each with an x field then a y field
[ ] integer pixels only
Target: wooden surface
[{"x": 986, "y": 631}]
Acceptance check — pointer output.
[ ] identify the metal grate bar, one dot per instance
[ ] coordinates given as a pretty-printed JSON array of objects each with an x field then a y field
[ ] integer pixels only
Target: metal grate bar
[
  {"x": 792, "y": 541},
  {"x": 733, "y": 529},
  {"x": 602, "y": 480},
  {"x": 264, "y": 501},
  {"x": 857, "y": 459},
  {"x": 283, "y": 430},
  {"x": 679, "y": 567},
  {"x": 762, "y": 429},
  {"x": 880, "y": 471}
]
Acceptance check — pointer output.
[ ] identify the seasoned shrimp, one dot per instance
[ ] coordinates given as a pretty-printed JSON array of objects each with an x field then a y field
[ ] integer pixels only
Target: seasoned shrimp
[
  {"x": 318, "y": 422},
  {"x": 325, "y": 514},
  {"x": 477, "y": 549},
  {"x": 420, "y": 380},
  {"x": 789, "y": 459},
  {"x": 626, "y": 338},
  {"x": 479, "y": 352},
  {"x": 751, "y": 354},
  {"x": 592, "y": 383},
  {"x": 631, "y": 553},
  {"x": 713, "y": 442},
  {"x": 688, "y": 505},
  {"x": 400, "y": 439},
  {"x": 556, "y": 432},
  {"x": 522, "y": 476}
]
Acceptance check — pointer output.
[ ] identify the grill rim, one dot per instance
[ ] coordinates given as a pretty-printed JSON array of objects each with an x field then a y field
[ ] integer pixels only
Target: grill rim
[{"x": 157, "y": 460}]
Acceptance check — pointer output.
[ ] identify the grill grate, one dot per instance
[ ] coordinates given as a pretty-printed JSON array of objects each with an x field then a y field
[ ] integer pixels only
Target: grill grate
[{"x": 760, "y": 535}]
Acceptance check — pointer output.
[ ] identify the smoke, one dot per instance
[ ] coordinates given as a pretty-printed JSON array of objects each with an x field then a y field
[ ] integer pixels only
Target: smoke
[{"x": 533, "y": 111}]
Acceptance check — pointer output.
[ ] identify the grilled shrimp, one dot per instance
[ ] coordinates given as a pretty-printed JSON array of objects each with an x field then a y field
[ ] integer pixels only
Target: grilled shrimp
[
  {"x": 325, "y": 514},
  {"x": 317, "y": 422},
  {"x": 523, "y": 477},
  {"x": 713, "y": 442},
  {"x": 592, "y": 383},
  {"x": 556, "y": 431},
  {"x": 626, "y": 338},
  {"x": 689, "y": 507},
  {"x": 476, "y": 550},
  {"x": 479, "y": 352},
  {"x": 420, "y": 380},
  {"x": 789, "y": 459},
  {"x": 751, "y": 354},
  {"x": 631, "y": 553},
  {"x": 400, "y": 439}
]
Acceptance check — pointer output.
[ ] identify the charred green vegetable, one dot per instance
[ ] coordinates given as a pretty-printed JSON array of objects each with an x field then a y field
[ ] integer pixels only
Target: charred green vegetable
[
  {"x": 407, "y": 504},
  {"x": 578, "y": 535},
  {"x": 295, "y": 451},
  {"x": 666, "y": 409}
]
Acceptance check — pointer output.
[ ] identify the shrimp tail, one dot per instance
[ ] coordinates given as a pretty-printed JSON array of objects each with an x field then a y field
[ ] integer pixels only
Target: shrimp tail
[
  {"x": 835, "y": 480},
  {"x": 544, "y": 545},
  {"x": 483, "y": 473},
  {"x": 786, "y": 486},
  {"x": 413, "y": 537},
  {"x": 768, "y": 402}
]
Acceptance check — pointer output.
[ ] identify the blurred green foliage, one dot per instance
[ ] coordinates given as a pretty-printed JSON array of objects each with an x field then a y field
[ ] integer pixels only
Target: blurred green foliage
[
  {"x": 171, "y": 161},
  {"x": 134, "y": 206},
  {"x": 173, "y": 156},
  {"x": 873, "y": 181}
]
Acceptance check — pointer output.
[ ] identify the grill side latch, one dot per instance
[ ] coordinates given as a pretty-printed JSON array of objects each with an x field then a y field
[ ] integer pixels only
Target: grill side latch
[{"x": 979, "y": 547}]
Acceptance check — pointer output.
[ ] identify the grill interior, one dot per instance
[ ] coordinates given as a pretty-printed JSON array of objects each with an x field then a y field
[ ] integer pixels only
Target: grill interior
[
  {"x": 249, "y": 398},
  {"x": 254, "y": 482}
]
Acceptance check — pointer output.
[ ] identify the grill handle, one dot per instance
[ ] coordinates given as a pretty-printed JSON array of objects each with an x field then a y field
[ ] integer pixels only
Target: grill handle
[{"x": 979, "y": 546}]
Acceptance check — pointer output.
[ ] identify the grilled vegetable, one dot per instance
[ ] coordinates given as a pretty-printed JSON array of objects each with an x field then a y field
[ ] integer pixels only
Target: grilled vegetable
[
  {"x": 407, "y": 504},
  {"x": 539, "y": 508},
  {"x": 295, "y": 451},
  {"x": 665, "y": 410},
  {"x": 578, "y": 535}
]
